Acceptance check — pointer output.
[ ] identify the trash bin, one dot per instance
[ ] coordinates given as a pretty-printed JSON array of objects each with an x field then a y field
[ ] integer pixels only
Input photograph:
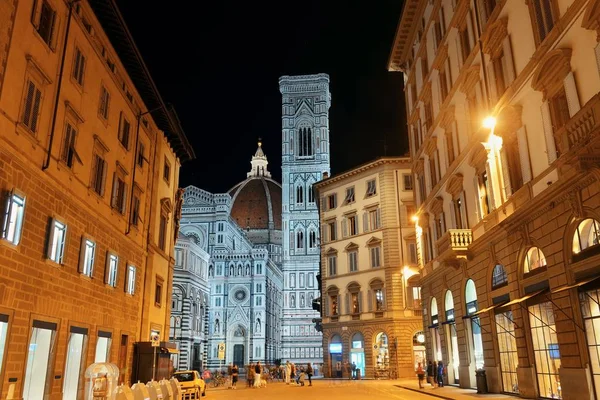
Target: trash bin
[
  {"x": 358, "y": 374},
  {"x": 481, "y": 381}
]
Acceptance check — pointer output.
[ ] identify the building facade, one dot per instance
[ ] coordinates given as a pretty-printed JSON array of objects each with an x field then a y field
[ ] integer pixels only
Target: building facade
[
  {"x": 508, "y": 206},
  {"x": 305, "y": 158},
  {"x": 89, "y": 180},
  {"x": 370, "y": 280},
  {"x": 239, "y": 233}
]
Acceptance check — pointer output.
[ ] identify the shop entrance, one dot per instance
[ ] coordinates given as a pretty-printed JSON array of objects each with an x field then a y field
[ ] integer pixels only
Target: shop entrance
[
  {"x": 335, "y": 357},
  {"x": 357, "y": 352},
  {"x": 419, "y": 350}
]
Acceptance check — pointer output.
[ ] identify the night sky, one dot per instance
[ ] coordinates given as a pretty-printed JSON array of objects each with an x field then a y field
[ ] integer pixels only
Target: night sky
[{"x": 220, "y": 67}]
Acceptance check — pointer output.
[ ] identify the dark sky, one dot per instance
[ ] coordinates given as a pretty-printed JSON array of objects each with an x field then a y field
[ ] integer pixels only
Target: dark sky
[{"x": 219, "y": 63}]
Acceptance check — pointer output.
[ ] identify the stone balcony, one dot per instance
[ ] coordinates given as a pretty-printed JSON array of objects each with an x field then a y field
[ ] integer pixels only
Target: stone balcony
[
  {"x": 454, "y": 245},
  {"x": 581, "y": 128}
]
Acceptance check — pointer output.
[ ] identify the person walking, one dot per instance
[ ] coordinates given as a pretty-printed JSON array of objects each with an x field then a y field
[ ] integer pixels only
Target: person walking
[
  {"x": 229, "y": 380},
  {"x": 420, "y": 375},
  {"x": 430, "y": 373},
  {"x": 235, "y": 371},
  {"x": 309, "y": 373},
  {"x": 288, "y": 372},
  {"x": 250, "y": 377},
  {"x": 440, "y": 374},
  {"x": 257, "y": 374}
]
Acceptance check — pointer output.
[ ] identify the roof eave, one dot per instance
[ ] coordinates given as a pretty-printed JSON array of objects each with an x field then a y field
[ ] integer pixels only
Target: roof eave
[{"x": 404, "y": 34}]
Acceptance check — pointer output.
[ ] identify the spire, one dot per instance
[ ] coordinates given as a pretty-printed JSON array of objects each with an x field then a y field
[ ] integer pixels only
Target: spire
[{"x": 259, "y": 163}]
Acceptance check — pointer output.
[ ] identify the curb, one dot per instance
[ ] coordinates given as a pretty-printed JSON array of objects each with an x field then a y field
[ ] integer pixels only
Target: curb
[{"x": 439, "y": 396}]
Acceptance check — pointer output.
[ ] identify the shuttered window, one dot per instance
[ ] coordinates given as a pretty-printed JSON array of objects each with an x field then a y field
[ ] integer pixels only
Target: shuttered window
[{"x": 31, "y": 109}]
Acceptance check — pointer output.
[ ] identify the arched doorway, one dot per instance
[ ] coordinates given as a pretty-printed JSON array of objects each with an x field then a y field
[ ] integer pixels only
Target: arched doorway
[
  {"x": 335, "y": 356},
  {"x": 238, "y": 347},
  {"x": 452, "y": 339},
  {"x": 475, "y": 342},
  {"x": 435, "y": 330},
  {"x": 357, "y": 352},
  {"x": 419, "y": 354},
  {"x": 381, "y": 354}
]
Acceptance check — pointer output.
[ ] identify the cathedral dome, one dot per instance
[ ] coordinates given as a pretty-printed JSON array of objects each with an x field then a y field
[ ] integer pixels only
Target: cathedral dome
[{"x": 256, "y": 202}]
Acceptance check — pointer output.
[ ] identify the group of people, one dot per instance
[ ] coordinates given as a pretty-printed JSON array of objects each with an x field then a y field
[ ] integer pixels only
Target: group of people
[
  {"x": 290, "y": 372},
  {"x": 435, "y": 374}
]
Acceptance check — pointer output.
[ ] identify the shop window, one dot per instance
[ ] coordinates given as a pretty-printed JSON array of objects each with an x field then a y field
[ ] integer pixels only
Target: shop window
[
  {"x": 3, "y": 337},
  {"x": 39, "y": 357},
  {"x": 74, "y": 363},
  {"x": 534, "y": 260},
  {"x": 381, "y": 354},
  {"x": 103, "y": 343},
  {"x": 507, "y": 349},
  {"x": 472, "y": 307},
  {"x": 499, "y": 277},
  {"x": 545, "y": 349},
  {"x": 586, "y": 235},
  {"x": 590, "y": 310}
]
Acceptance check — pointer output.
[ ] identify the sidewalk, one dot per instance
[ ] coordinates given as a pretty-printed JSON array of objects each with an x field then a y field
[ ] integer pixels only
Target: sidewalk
[{"x": 447, "y": 392}]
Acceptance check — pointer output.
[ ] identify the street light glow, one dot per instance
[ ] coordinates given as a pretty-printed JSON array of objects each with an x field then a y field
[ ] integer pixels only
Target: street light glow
[{"x": 489, "y": 122}]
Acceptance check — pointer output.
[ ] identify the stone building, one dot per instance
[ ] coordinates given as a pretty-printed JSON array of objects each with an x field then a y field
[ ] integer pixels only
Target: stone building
[
  {"x": 508, "y": 206},
  {"x": 370, "y": 283},
  {"x": 305, "y": 158},
  {"x": 89, "y": 164},
  {"x": 239, "y": 234}
]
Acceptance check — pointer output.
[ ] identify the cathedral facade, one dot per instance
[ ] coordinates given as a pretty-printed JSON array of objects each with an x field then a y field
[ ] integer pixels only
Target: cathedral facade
[{"x": 305, "y": 158}]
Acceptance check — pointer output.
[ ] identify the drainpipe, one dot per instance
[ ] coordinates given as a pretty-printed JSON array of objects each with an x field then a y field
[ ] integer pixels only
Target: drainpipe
[
  {"x": 404, "y": 284},
  {"x": 59, "y": 84}
]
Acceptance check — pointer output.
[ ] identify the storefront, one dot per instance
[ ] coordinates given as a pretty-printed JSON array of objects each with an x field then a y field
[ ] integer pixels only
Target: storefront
[
  {"x": 474, "y": 328},
  {"x": 451, "y": 339},
  {"x": 335, "y": 356},
  {"x": 381, "y": 354},
  {"x": 357, "y": 352},
  {"x": 434, "y": 330},
  {"x": 419, "y": 353}
]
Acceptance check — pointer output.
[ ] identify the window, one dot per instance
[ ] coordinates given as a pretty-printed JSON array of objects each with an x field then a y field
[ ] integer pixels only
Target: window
[
  {"x": 158, "y": 292},
  {"x": 41, "y": 345},
  {"x": 119, "y": 193},
  {"x": 428, "y": 115},
  {"x": 299, "y": 240},
  {"x": 332, "y": 230},
  {"x": 440, "y": 225},
  {"x": 587, "y": 235},
  {"x": 507, "y": 349},
  {"x": 311, "y": 194},
  {"x": 130, "y": 280},
  {"x": 167, "y": 171},
  {"x": 333, "y": 300},
  {"x": 371, "y": 188},
  {"x": 534, "y": 259},
  {"x": 99, "y": 169},
  {"x": 559, "y": 109},
  {"x": 484, "y": 193},
  {"x": 140, "y": 156},
  {"x": 124, "y": 131},
  {"x": 299, "y": 195},
  {"x": 349, "y": 195},
  {"x": 56, "y": 241},
  {"x": 104, "y": 103},
  {"x": 465, "y": 40},
  {"x": 412, "y": 252},
  {"x": 112, "y": 269},
  {"x": 332, "y": 265},
  {"x": 305, "y": 143},
  {"x": 355, "y": 303},
  {"x": 258, "y": 287},
  {"x": 443, "y": 84},
  {"x": 458, "y": 209},
  {"x": 162, "y": 233},
  {"x": 13, "y": 218},
  {"x": 332, "y": 201},
  {"x": 350, "y": 225},
  {"x": 88, "y": 256},
  {"x": 374, "y": 219},
  {"x": 292, "y": 280},
  {"x": 135, "y": 207},
  {"x": 218, "y": 302},
  {"x": 378, "y": 299},
  {"x": 312, "y": 239},
  {"x": 73, "y": 365},
  {"x": 499, "y": 277},
  {"x": 353, "y": 261},
  {"x": 450, "y": 146},
  {"x": 258, "y": 300},
  {"x": 545, "y": 349},
  {"x": 68, "y": 153},
  {"x": 544, "y": 17},
  {"x": 374, "y": 253},
  {"x": 31, "y": 107},
  {"x": 79, "y": 67},
  {"x": 103, "y": 347},
  {"x": 44, "y": 21}
]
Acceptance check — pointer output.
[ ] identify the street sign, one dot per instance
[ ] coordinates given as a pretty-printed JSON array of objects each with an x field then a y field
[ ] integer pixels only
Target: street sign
[
  {"x": 155, "y": 339},
  {"x": 221, "y": 351}
]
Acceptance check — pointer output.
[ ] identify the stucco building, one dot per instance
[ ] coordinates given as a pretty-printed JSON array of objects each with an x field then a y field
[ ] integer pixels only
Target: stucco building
[
  {"x": 89, "y": 164},
  {"x": 233, "y": 240},
  {"x": 370, "y": 283},
  {"x": 508, "y": 207}
]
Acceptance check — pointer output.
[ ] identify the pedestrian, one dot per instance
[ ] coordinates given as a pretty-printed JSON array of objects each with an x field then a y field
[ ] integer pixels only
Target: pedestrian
[
  {"x": 229, "y": 380},
  {"x": 235, "y": 371},
  {"x": 440, "y": 374},
  {"x": 257, "y": 374},
  {"x": 293, "y": 373},
  {"x": 353, "y": 370},
  {"x": 430, "y": 372},
  {"x": 420, "y": 375},
  {"x": 434, "y": 374},
  {"x": 250, "y": 377},
  {"x": 309, "y": 373},
  {"x": 288, "y": 372}
]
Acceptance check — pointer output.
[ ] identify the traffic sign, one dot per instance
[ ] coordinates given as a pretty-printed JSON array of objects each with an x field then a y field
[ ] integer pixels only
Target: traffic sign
[{"x": 155, "y": 339}]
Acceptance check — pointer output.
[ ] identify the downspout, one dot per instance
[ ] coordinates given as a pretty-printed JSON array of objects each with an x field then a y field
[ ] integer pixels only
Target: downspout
[
  {"x": 59, "y": 85},
  {"x": 404, "y": 296}
]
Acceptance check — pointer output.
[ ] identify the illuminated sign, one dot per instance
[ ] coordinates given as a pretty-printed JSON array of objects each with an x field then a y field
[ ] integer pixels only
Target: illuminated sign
[{"x": 335, "y": 348}]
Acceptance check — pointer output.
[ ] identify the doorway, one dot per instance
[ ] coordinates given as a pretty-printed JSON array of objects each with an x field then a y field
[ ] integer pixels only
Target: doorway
[
  {"x": 357, "y": 352},
  {"x": 238, "y": 355},
  {"x": 196, "y": 357},
  {"x": 123, "y": 358}
]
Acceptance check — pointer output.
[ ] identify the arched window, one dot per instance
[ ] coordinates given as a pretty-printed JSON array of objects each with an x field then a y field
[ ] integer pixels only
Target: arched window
[
  {"x": 449, "y": 306},
  {"x": 534, "y": 259},
  {"x": 499, "y": 277},
  {"x": 587, "y": 235},
  {"x": 299, "y": 195},
  {"x": 231, "y": 270},
  {"x": 311, "y": 195},
  {"x": 434, "y": 312},
  {"x": 471, "y": 297},
  {"x": 305, "y": 146},
  {"x": 312, "y": 239},
  {"x": 300, "y": 240}
]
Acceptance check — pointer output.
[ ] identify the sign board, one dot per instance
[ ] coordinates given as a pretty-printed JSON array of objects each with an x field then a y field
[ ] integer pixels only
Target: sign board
[
  {"x": 221, "y": 351},
  {"x": 155, "y": 339}
]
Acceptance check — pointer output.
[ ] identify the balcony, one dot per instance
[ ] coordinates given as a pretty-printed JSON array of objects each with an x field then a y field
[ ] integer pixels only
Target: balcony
[
  {"x": 580, "y": 129},
  {"x": 454, "y": 244}
]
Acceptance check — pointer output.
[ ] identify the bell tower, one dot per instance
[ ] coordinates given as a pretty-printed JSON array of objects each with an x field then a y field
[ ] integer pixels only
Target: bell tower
[{"x": 305, "y": 159}]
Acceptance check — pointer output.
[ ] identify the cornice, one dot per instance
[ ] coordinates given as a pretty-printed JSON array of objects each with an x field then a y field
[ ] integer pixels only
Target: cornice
[{"x": 365, "y": 167}]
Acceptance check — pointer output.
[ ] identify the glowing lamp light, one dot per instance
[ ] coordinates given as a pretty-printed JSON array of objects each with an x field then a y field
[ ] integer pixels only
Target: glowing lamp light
[
  {"x": 489, "y": 122},
  {"x": 415, "y": 218},
  {"x": 421, "y": 338}
]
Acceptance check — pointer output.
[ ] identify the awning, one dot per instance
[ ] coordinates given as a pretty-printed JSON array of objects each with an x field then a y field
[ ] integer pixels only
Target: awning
[
  {"x": 169, "y": 350},
  {"x": 433, "y": 326},
  {"x": 526, "y": 297},
  {"x": 575, "y": 285},
  {"x": 485, "y": 310}
]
